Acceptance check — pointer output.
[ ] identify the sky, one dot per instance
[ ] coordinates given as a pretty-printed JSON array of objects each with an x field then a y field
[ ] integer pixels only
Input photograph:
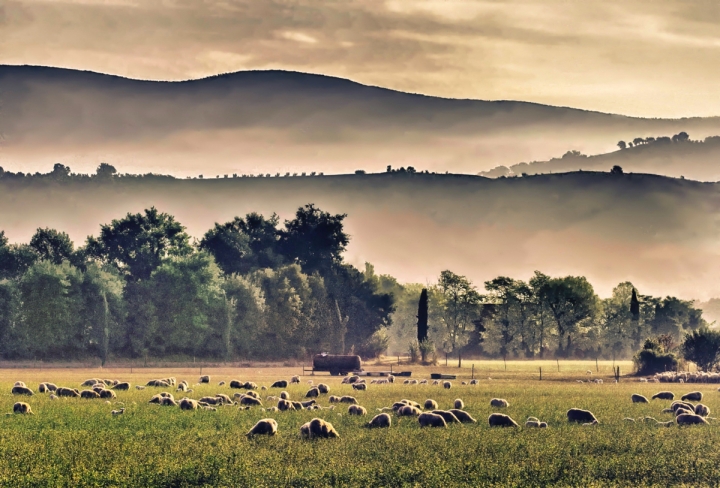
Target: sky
[{"x": 657, "y": 58}]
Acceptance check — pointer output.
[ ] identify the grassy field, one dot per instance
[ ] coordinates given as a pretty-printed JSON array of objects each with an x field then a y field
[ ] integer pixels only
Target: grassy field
[{"x": 76, "y": 442}]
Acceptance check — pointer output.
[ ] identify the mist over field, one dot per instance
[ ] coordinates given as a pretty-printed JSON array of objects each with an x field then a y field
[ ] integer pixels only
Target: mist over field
[
  {"x": 283, "y": 121},
  {"x": 657, "y": 232}
]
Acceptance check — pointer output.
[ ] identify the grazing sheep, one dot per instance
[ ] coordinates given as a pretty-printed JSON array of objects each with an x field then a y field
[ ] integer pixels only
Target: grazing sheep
[
  {"x": 323, "y": 388},
  {"x": 253, "y": 394},
  {"x": 431, "y": 404},
  {"x": 225, "y": 399},
  {"x": 391, "y": 378},
  {"x": 263, "y": 427},
  {"x": 318, "y": 428},
  {"x": 21, "y": 390},
  {"x": 447, "y": 385},
  {"x": 359, "y": 386},
  {"x": 381, "y": 420},
  {"x": 428, "y": 419},
  {"x": 664, "y": 395},
  {"x": 107, "y": 394},
  {"x": 236, "y": 384},
  {"x": 447, "y": 415},
  {"x": 53, "y": 396},
  {"x": 138, "y": 387},
  {"x": 204, "y": 379},
  {"x": 312, "y": 393},
  {"x": 188, "y": 404},
  {"x": 636, "y": 398},
  {"x": 91, "y": 382},
  {"x": 279, "y": 384},
  {"x": 462, "y": 416},
  {"x": 464, "y": 383},
  {"x": 436, "y": 382},
  {"x": 67, "y": 392},
  {"x": 690, "y": 419},
  {"x": 334, "y": 399},
  {"x": 683, "y": 411},
  {"x": 579, "y": 415},
  {"x": 89, "y": 394},
  {"x": 423, "y": 382},
  {"x": 115, "y": 413},
  {"x": 284, "y": 395},
  {"x": 22, "y": 408},
  {"x": 501, "y": 420},
  {"x": 679, "y": 404},
  {"x": 249, "y": 385},
  {"x": 42, "y": 388},
  {"x": 499, "y": 403},
  {"x": 284, "y": 405},
  {"x": 356, "y": 410},
  {"x": 702, "y": 410},
  {"x": 155, "y": 399},
  {"x": 271, "y": 409},
  {"x": 297, "y": 405},
  {"x": 408, "y": 411},
  {"x": 458, "y": 404},
  {"x": 474, "y": 382},
  {"x": 168, "y": 402},
  {"x": 398, "y": 405},
  {"x": 50, "y": 386},
  {"x": 295, "y": 379},
  {"x": 411, "y": 403},
  {"x": 182, "y": 387},
  {"x": 122, "y": 386},
  {"x": 693, "y": 396},
  {"x": 347, "y": 399},
  {"x": 308, "y": 403},
  {"x": 252, "y": 401},
  {"x": 532, "y": 423}
]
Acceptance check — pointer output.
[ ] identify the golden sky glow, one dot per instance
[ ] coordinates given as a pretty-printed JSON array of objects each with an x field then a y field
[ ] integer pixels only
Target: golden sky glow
[{"x": 657, "y": 58}]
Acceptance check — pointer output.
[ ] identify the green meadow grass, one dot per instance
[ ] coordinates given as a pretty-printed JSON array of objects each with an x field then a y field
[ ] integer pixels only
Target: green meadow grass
[{"x": 76, "y": 442}]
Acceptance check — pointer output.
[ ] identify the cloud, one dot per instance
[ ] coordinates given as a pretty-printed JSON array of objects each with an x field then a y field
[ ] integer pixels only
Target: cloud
[{"x": 633, "y": 57}]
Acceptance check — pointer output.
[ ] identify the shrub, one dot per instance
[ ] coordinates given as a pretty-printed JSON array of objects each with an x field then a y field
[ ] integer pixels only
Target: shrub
[
  {"x": 414, "y": 351},
  {"x": 652, "y": 358},
  {"x": 376, "y": 345},
  {"x": 702, "y": 347}
]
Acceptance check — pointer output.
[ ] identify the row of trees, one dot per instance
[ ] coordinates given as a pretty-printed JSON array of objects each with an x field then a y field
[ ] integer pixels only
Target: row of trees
[
  {"x": 642, "y": 141},
  {"x": 250, "y": 288},
  {"x": 545, "y": 316}
]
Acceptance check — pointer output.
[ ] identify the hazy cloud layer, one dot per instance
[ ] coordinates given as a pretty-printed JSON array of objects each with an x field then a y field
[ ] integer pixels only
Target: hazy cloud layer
[{"x": 659, "y": 58}]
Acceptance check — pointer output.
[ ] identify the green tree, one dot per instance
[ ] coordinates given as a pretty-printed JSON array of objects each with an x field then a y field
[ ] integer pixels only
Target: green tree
[
  {"x": 422, "y": 317},
  {"x": 314, "y": 239},
  {"x": 137, "y": 244},
  {"x": 52, "y": 245},
  {"x": 572, "y": 304},
  {"x": 461, "y": 303},
  {"x": 702, "y": 347}
]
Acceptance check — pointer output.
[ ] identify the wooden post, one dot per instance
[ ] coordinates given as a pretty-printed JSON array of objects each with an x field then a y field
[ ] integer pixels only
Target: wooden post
[
  {"x": 597, "y": 368},
  {"x": 472, "y": 376},
  {"x": 459, "y": 360},
  {"x": 540, "y": 374},
  {"x": 505, "y": 361}
]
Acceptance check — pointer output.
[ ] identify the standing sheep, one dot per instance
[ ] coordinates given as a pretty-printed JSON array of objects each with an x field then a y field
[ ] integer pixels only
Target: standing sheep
[
  {"x": 284, "y": 405},
  {"x": 279, "y": 384},
  {"x": 67, "y": 392},
  {"x": 428, "y": 419},
  {"x": 204, "y": 379},
  {"x": 188, "y": 404},
  {"x": 263, "y": 427},
  {"x": 458, "y": 404},
  {"x": 579, "y": 415},
  {"x": 122, "y": 386},
  {"x": 702, "y": 410},
  {"x": 347, "y": 399},
  {"x": 359, "y": 386},
  {"x": 323, "y": 388},
  {"x": 637, "y": 398},
  {"x": 408, "y": 411},
  {"x": 89, "y": 394},
  {"x": 295, "y": 379},
  {"x": 21, "y": 390},
  {"x": 501, "y": 420},
  {"x": 447, "y": 415},
  {"x": 312, "y": 393},
  {"x": 284, "y": 395},
  {"x": 690, "y": 419},
  {"x": 447, "y": 385},
  {"x": 381, "y": 420}
]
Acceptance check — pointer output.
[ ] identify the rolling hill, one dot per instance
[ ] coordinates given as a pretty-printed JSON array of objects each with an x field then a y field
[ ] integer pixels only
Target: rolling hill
[{"x": 270, "y": 121}]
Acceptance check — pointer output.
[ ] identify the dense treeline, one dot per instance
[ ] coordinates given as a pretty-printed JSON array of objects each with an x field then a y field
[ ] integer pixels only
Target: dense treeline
[
  {"x": 249, "y": 288},
  {"x": 543, "y": 317},
  {"x": 256, "y": 288}
]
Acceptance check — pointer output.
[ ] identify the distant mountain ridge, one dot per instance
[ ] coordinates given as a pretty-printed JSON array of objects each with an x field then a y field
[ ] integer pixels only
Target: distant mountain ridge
[{"x": 272, "y": 121}]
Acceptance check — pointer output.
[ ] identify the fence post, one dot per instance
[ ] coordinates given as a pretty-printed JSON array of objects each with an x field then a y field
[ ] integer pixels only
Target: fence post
[
  {"x": 472, "y": 376},
  {"x": 505, "y": 361},
  {"x": 459, "y": 360},
  {"x": 597, "y": 368},
  {"x": 541, "y": 374}
]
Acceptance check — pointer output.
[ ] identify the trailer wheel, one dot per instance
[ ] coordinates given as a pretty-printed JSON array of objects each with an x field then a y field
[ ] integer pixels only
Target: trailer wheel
[{"x": 335, "y": 372}]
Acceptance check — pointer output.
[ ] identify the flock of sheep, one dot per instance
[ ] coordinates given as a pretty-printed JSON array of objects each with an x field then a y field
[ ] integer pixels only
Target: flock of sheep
[{"x": 428, "y": 415}]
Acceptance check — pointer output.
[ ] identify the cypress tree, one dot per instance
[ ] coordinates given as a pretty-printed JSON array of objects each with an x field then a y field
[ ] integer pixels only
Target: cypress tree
[
  {"x": 635, "y": 306},
  {"x": 422, "y": 316}
]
